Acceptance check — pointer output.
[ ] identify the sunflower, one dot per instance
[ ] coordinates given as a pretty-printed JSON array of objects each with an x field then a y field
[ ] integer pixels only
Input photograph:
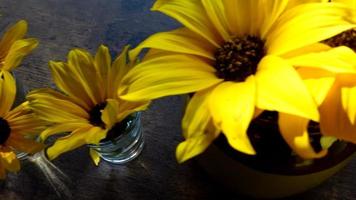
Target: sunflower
[
  {"x": 238, "y": 58},
  {"x": 18, "y": 127},
  {"x": 89, "y": 107},
  {"x": 13, "y": 48}
]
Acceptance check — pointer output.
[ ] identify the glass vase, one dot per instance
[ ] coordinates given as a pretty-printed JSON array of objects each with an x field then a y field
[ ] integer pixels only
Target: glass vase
[{"x": 124, "y": 141}]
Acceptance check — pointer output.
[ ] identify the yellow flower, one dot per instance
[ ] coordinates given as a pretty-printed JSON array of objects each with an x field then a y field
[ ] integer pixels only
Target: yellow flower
[
  {"x": 18, "y": 127},
  {"x": 89, "y": 107},
  {"x": 13, "y": 48},
  {"x": 236, "y": 56}
]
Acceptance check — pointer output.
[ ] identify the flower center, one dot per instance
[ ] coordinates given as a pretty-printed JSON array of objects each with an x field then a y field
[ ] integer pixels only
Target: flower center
[
  {"x": 238, "y": 58},
  {"x": 346, "y": 38},
  {"x": 95, "y": 115},
  {"x": 5, "y": 131}
]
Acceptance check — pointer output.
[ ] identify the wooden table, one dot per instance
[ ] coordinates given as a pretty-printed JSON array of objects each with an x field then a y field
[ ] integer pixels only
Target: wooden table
[{"x": 61, "y": 25}]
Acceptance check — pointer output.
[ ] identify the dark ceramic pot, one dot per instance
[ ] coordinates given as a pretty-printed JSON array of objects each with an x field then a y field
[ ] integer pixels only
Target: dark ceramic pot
[
  {"x": 257, "y": 183},
  {"x": 275, "y": 171}
]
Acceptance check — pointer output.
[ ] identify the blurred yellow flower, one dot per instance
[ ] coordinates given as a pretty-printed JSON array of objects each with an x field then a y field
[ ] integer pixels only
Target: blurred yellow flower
[
  {"x": 90, "y": 106},
  {"x": 13, "y": 48},
  {"x": 18, "y": 127},
  {"x": 237, "y": 56}
]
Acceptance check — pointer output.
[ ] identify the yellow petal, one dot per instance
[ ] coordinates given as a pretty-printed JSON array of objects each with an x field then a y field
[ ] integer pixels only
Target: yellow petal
[
  {"x": 232, "y": 16},
  {"x": 350, "y": 3},
  {"x": 240, "y": 19},
  {"x": 313, "y": 73},
  {"x": 54, "y": 107},
  {"x": 103, "y": 65},
  {"x": 94, "y": 156},
  {"x": 61, "y": 128},
  {"x": 197, "y": 144},
  {"x": 56, "y": 99},
  {"x": 271, "y": 12},
  {"x": 232, "y": 107},
  {"x": 110, "y": 112},
  {"x": 8, "y": 92},
  {"x": 81, "y": 64},
  {"x": 70, "y": 85},
  {"x": 14, "y": 33},
  {"x": 27, "y": 124},
  {"x": 54, "y": 114},
  {"x": 319, "y": 88},
  {"x": 22, "y": 144},
  {"x": 279, "y": 88},
  {"x": 293, "y": 3},
  {"x": 18, "y": 110},
  {"x": 128, "y": 107},
  {"x": 216, "y": 13},
  {"x": 338, "y": 60},
  {"x": 348, "y": 98},
  {"x": 332, "y": 110},
  {"x": 119, "y": 69},
  {"x": 192, "y": 15},
  {"x": 181, "y": 40},
  {"x": 197, "y": 114},
  {"x": 9, "y": 161},
  {"x": 18, "y": 51},
  {"x": 313, "y": 48},
  {"x": 168, "y": 75},
  {"x": 79, "y": 137},
  {"x": 295, "y": 133},
  {"x": 324, "y": 20}
]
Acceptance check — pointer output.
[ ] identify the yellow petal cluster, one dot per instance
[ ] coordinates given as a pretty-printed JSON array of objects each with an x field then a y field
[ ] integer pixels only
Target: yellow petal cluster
[{"x": 85, "y": 82}]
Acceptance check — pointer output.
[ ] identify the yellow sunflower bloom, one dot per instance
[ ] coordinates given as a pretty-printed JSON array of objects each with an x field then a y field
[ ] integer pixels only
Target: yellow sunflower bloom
[
  {"x": 13, "y": 48},
  {"x": 89, "y": 107},
  {"x": 18, "y": 127},
  {"x": 236, "y": 56}
]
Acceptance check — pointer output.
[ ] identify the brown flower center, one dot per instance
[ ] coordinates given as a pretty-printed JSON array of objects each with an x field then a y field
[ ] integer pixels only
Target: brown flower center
[
  {"x": 95, "y": 115},
  {"x": 346, "y": 38},
  {"x": 5, "y": 131},
  {"x": 238, "y": 58}
]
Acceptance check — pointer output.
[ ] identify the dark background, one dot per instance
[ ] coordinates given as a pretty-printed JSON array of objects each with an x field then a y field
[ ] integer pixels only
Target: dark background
[{"x": 61, "y": 25}]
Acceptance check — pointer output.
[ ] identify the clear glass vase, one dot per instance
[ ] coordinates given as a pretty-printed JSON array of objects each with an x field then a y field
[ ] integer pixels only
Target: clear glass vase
[{"x": 124, "y": 141}]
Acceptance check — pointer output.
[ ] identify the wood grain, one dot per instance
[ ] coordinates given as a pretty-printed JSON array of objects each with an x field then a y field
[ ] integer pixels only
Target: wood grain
[{"x": 62, "y": 25}]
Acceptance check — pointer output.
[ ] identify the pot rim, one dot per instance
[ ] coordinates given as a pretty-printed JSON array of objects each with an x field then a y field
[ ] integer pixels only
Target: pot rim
[{"x": 339, "y": 152}]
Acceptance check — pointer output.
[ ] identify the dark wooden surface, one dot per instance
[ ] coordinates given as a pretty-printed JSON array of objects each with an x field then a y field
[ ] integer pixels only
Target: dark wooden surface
[{"x": 63, "y": 24}]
